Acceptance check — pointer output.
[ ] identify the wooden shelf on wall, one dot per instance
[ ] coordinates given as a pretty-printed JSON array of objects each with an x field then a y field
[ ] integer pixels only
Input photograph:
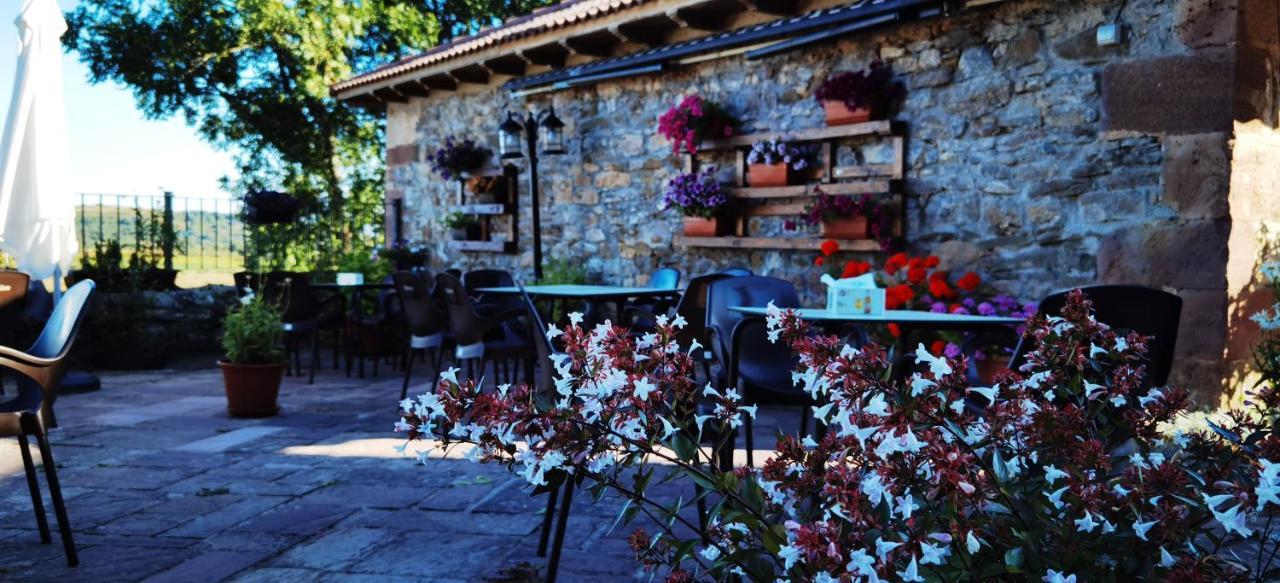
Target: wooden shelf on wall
[
  {"x": 799, "y": 190},
  {"x": 483, "y": 209},
  {"x": 793, "y": 243},
  {"x": 871, "y": 128},
  {"x": 483, "y": 246}
]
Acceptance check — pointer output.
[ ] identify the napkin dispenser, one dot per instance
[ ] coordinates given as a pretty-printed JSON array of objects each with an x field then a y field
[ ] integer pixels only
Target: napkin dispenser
[
  {"x": 349, "y": 279},
  {"x": 854, "y": 295}
]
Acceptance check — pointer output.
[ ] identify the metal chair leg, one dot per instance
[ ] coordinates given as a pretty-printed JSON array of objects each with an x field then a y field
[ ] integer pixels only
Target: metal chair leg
[
  {"x": 554, "y": 564},
  {"x": 408, "y": 370},
  {"x": 37, "y": 503},
  {"x": 546, "y": 521},
  {"x": 55, "y": 492},
  {"x": 750, "y": 432},
  {"x": 315, "y": 356}
]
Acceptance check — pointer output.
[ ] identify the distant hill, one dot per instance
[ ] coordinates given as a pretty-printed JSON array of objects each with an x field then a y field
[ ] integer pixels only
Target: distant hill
[{"x": 210, "y": 232}]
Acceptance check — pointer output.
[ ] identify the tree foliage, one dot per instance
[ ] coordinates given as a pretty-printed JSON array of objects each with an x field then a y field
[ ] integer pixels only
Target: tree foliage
[{"x": 253, "y": 77}]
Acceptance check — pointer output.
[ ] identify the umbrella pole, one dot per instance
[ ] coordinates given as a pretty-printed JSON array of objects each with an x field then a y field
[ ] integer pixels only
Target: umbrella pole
[{"x": 57, "y": 284}]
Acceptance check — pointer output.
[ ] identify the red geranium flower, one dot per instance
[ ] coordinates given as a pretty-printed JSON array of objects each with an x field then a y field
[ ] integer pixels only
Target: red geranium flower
[
  {"x": 969, "y": 282},
  {"x": 915, "y": 275},
  {"x": 895, "y": 330},
  {"x": 895, "y": 263},
  {"x": 940, "y": 289},
  {"x": 938, "y": 347},
  {"x": 931, "y": 261},
  {"x": 819, "y": 261},
  {"x": 829, "y": 247},
  {"x": 855, "y": 268}
]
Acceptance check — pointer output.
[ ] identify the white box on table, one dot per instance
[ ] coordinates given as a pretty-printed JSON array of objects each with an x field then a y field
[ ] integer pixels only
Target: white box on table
[{"x": 854, "y": 295}]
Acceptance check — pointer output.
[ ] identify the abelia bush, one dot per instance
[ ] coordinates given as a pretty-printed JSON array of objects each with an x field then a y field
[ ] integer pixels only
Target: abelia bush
[{"x": 1063, "y": 470}]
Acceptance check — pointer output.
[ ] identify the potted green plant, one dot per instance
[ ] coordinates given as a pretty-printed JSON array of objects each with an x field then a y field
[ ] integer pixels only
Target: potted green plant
[
  {"x": 462, "y": 227},
  {"x": 702, "y": 200},
  {"x": 253, "y": 341},
  {"x": 693, "y": 120},
  {"x": 846, "y": 217},
  {"x": 859, "y": 96},
  {"x": 775, "y": 163}
]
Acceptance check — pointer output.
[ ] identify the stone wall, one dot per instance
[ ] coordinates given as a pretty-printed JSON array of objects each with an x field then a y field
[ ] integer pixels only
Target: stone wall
[{"x": 1034, "y": 156}]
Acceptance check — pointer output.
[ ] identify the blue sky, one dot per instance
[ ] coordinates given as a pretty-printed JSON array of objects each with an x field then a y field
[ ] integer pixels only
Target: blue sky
[{"x": 114, "y": 149}]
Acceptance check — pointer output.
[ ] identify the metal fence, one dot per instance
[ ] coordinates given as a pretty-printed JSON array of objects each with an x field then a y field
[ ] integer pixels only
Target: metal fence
[{"x": 209, "y": 232}]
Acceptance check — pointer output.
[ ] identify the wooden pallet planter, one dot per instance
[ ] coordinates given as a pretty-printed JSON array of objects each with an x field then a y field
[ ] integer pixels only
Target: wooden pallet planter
[
  {"x": 487, "y": 212},
  {"x": 883, "y": 180}
]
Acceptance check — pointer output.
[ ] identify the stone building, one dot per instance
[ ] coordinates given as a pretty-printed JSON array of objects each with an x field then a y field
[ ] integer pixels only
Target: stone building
[{"x": 1035, "y": 154}]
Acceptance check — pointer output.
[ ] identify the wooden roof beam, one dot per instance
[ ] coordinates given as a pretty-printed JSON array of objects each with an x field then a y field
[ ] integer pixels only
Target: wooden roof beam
[
  {"x": 599, "y": 44},
  {"x": 413, "y": 89},
  {"x": 549, "y": 55},
  {"x": 509, "y": 65},
  {"x": 474, "y": 74},
  {"x": 776, "y": 7},
  {"x": 440, "y": 83},
  {"x": 651, "y": 32},
  {"x": 390, "y": 95}
]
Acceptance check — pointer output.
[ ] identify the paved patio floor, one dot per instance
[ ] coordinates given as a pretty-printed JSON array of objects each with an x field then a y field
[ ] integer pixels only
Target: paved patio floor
[{"x": 162, "y": 485}]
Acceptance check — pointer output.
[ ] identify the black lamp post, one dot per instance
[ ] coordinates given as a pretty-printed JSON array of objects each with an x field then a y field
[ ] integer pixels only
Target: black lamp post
[{"x": 551, "y": 130}]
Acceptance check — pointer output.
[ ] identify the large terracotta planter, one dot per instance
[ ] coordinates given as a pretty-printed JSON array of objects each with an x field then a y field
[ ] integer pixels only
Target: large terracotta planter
[
  {"x": 252, "y": 389},
  {"x": 839, "y": 114},
  {"x": 700, "y": 227},
  {"x": 769, "y": 174},
  {"x": 989, "y": 366},
  {"x": 854, "y": 227}
]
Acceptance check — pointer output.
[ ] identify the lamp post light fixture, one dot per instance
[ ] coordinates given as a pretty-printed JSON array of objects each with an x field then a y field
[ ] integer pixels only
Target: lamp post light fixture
[{"x": 546, "y": 130}]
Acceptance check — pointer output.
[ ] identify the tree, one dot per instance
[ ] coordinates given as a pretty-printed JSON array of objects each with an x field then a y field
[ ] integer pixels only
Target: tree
[{"x": 253, "y": 77}]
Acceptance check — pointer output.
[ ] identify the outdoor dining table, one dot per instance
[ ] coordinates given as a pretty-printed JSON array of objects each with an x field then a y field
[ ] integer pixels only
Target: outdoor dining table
[
  {"x": 908, "y": 321},
  {"x": 590, "y": 295},
  {"x": 357, "y": 292}
]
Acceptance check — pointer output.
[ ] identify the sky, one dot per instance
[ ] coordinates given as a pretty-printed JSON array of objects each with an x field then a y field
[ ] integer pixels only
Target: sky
[{"x": 114, "y": 148}]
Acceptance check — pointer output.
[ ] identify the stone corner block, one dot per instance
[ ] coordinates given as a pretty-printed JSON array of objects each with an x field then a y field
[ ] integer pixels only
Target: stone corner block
[
  {"x": 1176, "y": 254},
  {"x": 1197, "y": 175}
]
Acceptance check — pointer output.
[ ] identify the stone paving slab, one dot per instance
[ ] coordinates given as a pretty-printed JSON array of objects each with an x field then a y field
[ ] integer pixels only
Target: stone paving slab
[{"x": 162, "y": 485}]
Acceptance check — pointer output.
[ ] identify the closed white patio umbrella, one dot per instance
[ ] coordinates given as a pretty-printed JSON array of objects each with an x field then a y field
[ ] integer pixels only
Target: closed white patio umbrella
[{"x": 37, "y": 210}]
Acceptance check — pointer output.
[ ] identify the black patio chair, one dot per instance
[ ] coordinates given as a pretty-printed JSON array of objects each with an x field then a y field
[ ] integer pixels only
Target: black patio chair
[
  {"x": 481, "y": 339},
  {"x": 40, "y": 372},
  {"x": 757, "y": 368},
  {"x": 426, "y": 319},
  {"x": 662, "y": 278},
  {"x": 290, "y": 293},
  {"x": 1148, "y": 311},
  {"x": 482, "y": 278},
  {"x": 738, "y": 271}
]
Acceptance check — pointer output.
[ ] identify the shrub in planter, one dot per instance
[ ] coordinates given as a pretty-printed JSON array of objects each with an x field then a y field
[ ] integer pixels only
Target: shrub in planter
[
  {"x": 701, "y": 199},
  {"x": 458, "y": 158},
  {"x": 859, "y": 96},
  {"x": 693, "y": 120},
  {"x": 253, "y": 342},
  {"x": 462, "y": 227},
  {"x": 775, "y": 163},
  {"x": 1067, "y": 470},
  {"x": 849, "y": 217}
]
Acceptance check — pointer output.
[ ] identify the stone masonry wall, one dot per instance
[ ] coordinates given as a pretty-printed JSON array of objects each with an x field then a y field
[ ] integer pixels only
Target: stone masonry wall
[{"x": 1027, "y": 155}]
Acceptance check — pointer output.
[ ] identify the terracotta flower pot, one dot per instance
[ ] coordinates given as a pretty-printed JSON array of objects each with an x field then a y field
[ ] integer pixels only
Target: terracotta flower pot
[
  {"x": 700, "y": 227},
  {"x": 769, "y": 174},
  {"x": 252, "y": 389},
  {"x": 989, "y": 366},
  {"x": 467, "y": 233},
  {"x": 854, "y": 227},
  {"x": 839, "y": 114}
]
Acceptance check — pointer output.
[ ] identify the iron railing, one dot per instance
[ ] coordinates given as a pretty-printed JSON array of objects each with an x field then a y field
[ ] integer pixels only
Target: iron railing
[{"x": 210, "y": 234}]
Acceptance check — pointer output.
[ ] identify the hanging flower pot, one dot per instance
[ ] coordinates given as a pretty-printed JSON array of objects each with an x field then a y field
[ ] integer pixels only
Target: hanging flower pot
[
  {"x": 838, "y": 113},
  {"x": 854, "y": 227},
  {"x": 769, "y": 174},
  {"x": 704, "y": 227}
]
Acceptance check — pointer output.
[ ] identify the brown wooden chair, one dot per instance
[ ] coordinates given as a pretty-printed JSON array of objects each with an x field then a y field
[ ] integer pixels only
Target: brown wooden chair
[{"x": 40, "y": 371}]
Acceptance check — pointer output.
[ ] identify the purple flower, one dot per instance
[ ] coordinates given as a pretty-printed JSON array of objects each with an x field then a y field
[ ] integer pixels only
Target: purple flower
[
  {"x": 986, "y": 309},
  {"x": 951, "y": 351},
  {"x": 938, "y": 308},
  {"x": 963, "y": 311}
]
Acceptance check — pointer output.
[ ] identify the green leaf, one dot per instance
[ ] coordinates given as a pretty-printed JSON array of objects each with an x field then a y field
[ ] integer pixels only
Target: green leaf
[{"x": 684, "y": 447}]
